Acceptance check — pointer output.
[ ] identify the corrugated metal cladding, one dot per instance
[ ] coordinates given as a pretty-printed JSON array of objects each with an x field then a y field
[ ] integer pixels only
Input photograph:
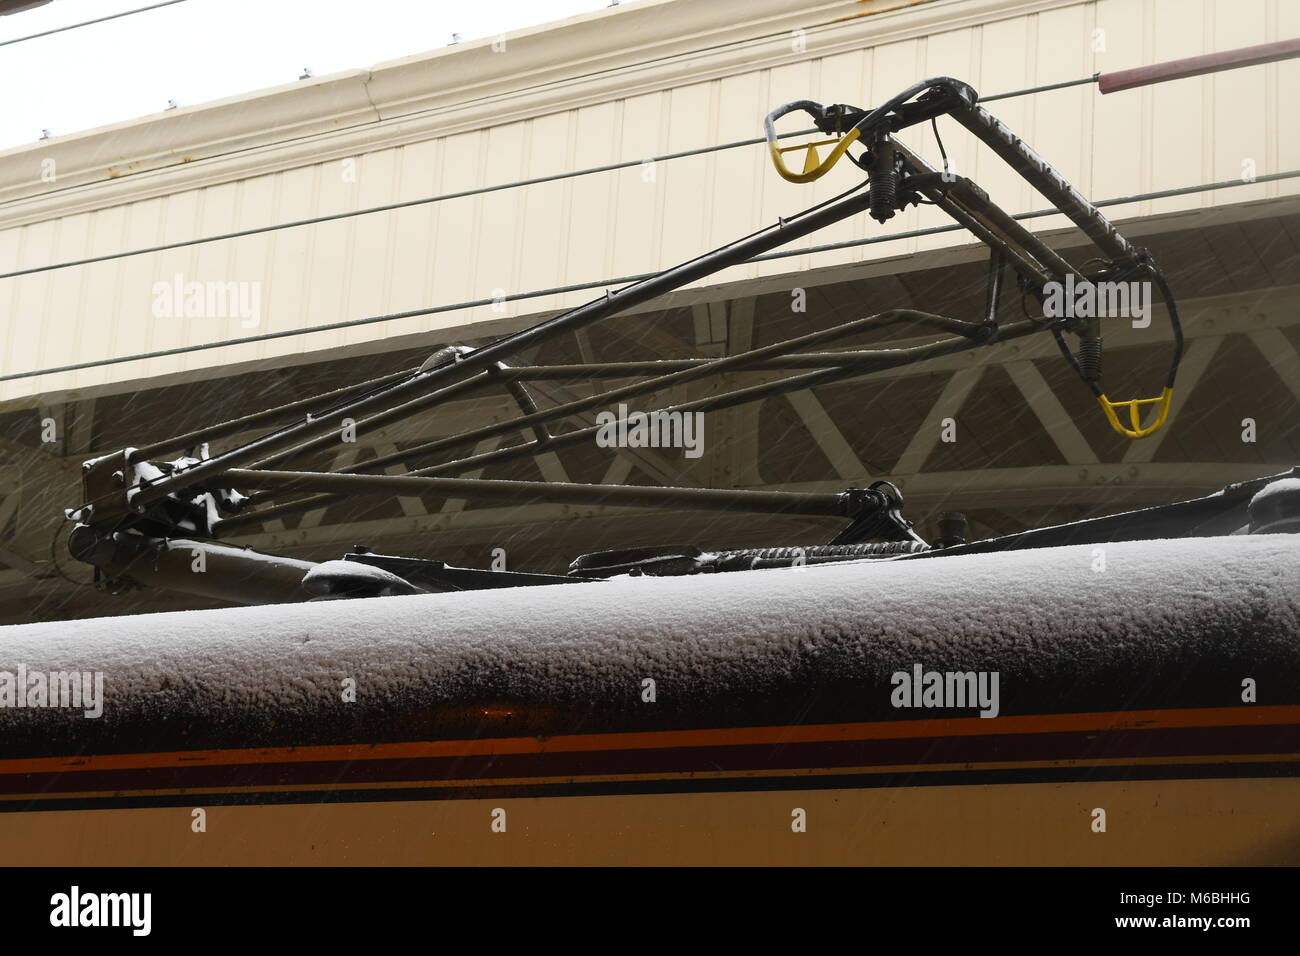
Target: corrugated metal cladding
[{"x": 713, "y": 86}]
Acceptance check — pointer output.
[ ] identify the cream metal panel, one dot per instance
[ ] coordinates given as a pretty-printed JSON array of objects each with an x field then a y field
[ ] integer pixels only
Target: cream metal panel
[
  {"x": 1182, "y": 131},
  {"x": 953, "y": 53},
  {"x": 1237, "y": 135},
  {"x": 627, "y": 221},
  {"x": 410, "y": 256},
  {"x": 592, "y": 204},
  {"x": 288, "y": 285},
  {"x": 539, "y": 251},
  {"x": 95, "y": 333}
]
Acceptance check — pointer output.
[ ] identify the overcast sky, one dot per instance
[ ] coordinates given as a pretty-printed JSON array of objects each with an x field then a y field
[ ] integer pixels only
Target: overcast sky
[{"x": 200, "y": 50}]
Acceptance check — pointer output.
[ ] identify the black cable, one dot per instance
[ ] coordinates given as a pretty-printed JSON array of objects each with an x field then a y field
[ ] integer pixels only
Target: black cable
[
  {"x": 934, "y": 124},
  {"x": 86, "y": 23},
  {"x": 1042, "y": 89},
  {"x": 1040, "y": 319},
  {"x": 947, "y": 178},
  {"x": 1159, "y": 276},
  {"x": 1150, "y": 267}
]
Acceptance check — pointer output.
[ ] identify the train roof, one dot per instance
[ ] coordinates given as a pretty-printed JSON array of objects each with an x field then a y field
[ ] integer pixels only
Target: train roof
[{"x": 1070, "y": 629}]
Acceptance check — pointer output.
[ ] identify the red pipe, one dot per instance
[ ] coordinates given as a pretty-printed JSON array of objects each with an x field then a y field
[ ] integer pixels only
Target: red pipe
[{"x": 1199, "y": 65}]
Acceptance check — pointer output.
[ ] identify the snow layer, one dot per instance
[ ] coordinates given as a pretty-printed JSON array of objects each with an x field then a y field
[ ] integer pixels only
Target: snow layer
[
  {"x": 1283, "y": 486},
  {"x": 1263, "y": 503},
  {"x": 1166, "y": 623},
  {"x": 320, "y": 578}
]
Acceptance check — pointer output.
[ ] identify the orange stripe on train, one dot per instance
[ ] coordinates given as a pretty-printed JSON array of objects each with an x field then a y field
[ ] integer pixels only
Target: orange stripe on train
[{"x": 1251, "y": 715}]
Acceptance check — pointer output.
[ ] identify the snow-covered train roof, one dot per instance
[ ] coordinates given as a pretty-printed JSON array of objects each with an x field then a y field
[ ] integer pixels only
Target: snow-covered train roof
[{"x": 1074, "y": 629}]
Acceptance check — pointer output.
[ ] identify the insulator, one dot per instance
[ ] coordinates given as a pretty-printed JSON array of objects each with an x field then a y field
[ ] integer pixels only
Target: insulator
[
  {"x": 884, "y": 193},
  {"x": 884, "y": 182},
  {"x": 1090, "y": 358}
]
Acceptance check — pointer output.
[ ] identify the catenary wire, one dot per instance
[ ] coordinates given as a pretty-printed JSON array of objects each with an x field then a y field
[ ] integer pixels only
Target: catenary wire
[{"x": 605, "y": 283}]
